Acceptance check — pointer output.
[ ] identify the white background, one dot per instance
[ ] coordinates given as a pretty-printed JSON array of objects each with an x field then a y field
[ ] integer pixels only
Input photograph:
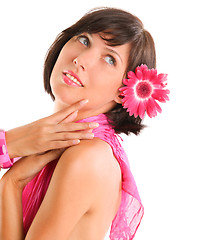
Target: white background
[{"x": 172, "y": 160}]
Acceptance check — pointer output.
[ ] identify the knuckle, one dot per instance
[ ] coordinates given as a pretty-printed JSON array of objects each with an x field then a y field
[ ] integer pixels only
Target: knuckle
[
  {"x": 71, "y": 126},
  {"x": 66, "y": 144},
  {"x": 68, "y": 136},
  {"x": 65, "y": 127},
  {"x": 87, "y": 135},
  {"x": 82, "y": 126},
  {"x": 85, "y": 126},
  {"x": 41, "y": 143},
  {"x": 43, "y": 129}
]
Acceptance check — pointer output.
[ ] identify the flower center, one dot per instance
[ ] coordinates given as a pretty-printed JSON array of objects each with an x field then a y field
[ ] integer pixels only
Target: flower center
[{"x": 143, "y": 89}]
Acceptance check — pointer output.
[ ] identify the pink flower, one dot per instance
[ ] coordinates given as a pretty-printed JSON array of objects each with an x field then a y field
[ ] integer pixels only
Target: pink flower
[{"x": 142, "y": 90}]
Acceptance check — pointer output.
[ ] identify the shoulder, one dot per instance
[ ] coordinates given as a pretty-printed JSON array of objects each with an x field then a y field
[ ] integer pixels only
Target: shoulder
[
  {"x": 93, "y": 158},
  {"x": 95, "y": 147},
  {"x": 90, "y": 166},
  {"x": 85, "y": 182},
  {"x": 94, "y": 144}
]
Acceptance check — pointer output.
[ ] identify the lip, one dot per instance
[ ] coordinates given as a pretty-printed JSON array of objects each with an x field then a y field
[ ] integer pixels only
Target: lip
[{"x": 68, "y": 80}]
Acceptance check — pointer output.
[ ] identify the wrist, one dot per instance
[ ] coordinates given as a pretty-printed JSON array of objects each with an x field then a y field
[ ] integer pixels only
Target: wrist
[
  {"x": 10, "y": 147},
  {"x": 5, "y": 160},
  {"x": 9, "y": 182}
]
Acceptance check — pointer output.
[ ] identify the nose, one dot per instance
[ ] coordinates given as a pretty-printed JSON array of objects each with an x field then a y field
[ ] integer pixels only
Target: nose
[
  {"x": 76, "y": 63},
  {"x": 86, "y": 59}
]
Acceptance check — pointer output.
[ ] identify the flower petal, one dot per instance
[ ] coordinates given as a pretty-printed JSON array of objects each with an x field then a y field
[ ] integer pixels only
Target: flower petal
[
  {"x": 144, "y": 67},
  {"x": 142, "y": 108},
  {"x": 135, "y": 97},
  {"x": 125, "y": 81},
  {"x": 151, "y": 108},
  {"x": 139, "y": 74},
  {"x": 157, "y": 107},
  {"x": 146, "y": 74},
  {"x": 162, "y": 77},
  {"x": 131, "y": 75},
  {"x": 161, "y": 95}
]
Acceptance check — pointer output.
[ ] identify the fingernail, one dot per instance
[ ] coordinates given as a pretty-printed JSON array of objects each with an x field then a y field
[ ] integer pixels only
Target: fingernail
[
  {"x": 76, "y": 141},
  {"x": 75, "y": 113},
  {"x": 89, "y": 135},
  {"x": 90, "y": 130},
  {"x": 93, "y": 125},
  {"x": 83, "y": 102}
]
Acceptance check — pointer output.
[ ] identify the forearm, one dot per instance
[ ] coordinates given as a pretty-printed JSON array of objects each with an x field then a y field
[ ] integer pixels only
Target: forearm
[
  {"x": 11, "y": 217},
  {"x": 11, "y": 138}
]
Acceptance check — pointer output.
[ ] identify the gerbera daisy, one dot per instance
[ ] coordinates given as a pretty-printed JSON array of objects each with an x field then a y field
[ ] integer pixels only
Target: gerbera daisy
[{"x": 142, "y": 90}]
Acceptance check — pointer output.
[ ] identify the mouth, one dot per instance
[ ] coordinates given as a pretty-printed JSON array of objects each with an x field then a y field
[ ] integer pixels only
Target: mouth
[{"x": 72, "y": 79}]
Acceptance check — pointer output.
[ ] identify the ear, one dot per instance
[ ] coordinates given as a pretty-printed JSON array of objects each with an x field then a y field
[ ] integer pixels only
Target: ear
[{"x": 118, "y": 98}]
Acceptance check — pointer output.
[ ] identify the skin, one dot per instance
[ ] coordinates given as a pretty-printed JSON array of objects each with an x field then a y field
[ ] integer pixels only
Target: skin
[
  {"x": 92, "y": 60},
  {"x": 76, "y": 205},
  {"x": 53, "y": 132}
]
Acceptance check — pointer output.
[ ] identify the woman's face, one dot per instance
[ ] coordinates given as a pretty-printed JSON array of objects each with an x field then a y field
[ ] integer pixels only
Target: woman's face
[{"x": 87, "y": 68}]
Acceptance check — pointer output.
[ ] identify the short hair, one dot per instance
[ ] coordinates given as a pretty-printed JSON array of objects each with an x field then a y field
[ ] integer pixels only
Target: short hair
[{"x": 121, "y": 27}]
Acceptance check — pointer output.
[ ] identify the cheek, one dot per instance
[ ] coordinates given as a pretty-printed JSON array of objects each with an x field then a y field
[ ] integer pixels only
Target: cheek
[
  {"x": 109, "y": 78},
  {"x": 113, "y": 83},
  {"x": 107, "y": 90}
]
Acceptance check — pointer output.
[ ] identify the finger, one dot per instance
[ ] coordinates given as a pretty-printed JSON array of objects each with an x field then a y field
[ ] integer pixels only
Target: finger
[
  {"x": 71, "y": 136},
  {"x": 49, "y": 156},
  {"x": 64, "y": 144},
  {"x": 64, "y": 140},
  {"x": 70, "y": 118},
  {"x": 64, "y": 113},
  {"x": 72, "y": 127}
]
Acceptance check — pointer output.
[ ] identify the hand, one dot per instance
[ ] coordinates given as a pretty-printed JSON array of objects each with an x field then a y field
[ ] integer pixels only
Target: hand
[
  {"x": 24, "y": 170},
  {"x": 53, "y": 132}
]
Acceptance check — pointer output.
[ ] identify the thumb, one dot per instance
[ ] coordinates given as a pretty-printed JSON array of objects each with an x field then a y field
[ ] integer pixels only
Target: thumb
[
  {"x": 70, "y": 118},
  {"x": 60, "y": 116},
  {"x": 49, "y": 156}
]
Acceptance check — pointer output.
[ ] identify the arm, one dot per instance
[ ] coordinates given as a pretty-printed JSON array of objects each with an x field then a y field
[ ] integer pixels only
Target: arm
[
  {"x": 11, "y": 186},
  {"x": 53, "y": 132},
  {"x": 77, "y": 183},
  {"x": 74, "y": 190},
  {"x": 11, "y": 222}
]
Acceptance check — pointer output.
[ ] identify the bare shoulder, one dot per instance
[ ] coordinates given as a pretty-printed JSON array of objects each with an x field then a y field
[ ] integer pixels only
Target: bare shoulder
[
  {"x": 93, "y": 165},
  {"x": 95, "y": 146},
  {"x": 95, "y": 150},
  {"x": 84, "y": 187},
  {"x": 94, "y": 156}
]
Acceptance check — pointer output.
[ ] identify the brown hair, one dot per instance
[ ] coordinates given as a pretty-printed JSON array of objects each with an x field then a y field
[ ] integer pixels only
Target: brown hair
[{"x": 121, "y": 27}]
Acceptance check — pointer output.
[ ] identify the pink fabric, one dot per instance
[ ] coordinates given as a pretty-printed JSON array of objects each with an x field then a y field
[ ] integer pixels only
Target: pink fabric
[{"x": 130, "y": 212}]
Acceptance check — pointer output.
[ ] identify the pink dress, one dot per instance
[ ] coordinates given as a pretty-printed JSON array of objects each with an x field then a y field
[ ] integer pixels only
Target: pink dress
[{"x": 130, "y": 212}]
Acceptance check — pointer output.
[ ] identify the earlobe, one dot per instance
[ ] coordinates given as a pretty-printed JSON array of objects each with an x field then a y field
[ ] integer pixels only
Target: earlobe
[{"x": 118, "y": 98}]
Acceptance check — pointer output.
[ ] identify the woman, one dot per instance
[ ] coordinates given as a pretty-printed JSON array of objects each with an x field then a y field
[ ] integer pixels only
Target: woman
[{"x": 91, "y": 186}]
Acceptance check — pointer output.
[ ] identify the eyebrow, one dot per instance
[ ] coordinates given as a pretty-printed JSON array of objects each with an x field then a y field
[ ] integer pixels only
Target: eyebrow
[{"x": 114, "y": 52}]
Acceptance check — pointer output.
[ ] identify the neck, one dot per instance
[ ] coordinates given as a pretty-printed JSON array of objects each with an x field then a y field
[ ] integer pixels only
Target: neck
[{"x": 84, "y": 112}]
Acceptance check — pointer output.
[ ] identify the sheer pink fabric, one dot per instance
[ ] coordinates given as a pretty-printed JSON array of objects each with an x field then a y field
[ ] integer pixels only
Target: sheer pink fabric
[{"x": 130, "y": 212}]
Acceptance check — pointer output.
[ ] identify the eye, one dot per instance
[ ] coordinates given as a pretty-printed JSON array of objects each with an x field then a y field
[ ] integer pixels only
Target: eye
[
  {"x": 84, "y": 40},
  {"x": 110, "y": 60}
]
